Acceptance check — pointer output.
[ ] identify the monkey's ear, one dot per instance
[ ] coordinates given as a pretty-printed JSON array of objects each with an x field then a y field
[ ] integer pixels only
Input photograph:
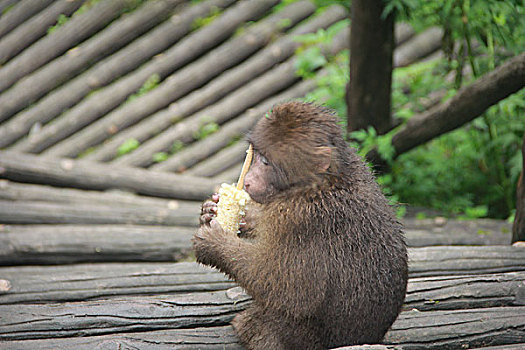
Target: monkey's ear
[{"x": 324, "y": 155}]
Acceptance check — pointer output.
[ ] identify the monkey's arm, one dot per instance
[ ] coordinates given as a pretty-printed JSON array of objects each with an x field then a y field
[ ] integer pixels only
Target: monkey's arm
[{"x": 222, "y": 249}]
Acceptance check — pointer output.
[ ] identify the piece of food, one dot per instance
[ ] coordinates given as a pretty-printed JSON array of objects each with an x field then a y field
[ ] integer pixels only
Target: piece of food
[{"x": 233, "y": 199}]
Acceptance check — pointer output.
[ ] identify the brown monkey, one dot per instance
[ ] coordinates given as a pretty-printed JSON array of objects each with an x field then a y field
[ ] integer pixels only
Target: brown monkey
[{"x": 328, "y": 265}]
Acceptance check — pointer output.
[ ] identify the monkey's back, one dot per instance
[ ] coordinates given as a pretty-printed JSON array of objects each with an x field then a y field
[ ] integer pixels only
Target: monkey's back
[{"x": 339, "y": 261}]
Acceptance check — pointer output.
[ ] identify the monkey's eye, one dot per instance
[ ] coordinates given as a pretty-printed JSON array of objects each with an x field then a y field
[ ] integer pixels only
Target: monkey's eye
[{"x": 263, "y": 160}]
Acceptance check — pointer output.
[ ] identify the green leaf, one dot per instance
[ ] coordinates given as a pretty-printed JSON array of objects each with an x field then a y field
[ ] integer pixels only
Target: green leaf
[{"x": 127, "y": 147}]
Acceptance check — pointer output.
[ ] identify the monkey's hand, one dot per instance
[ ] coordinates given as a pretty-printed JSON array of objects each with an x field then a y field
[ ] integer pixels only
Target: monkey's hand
[
  {"x": 211, "y": 244},
  {"x": 209, "y": 210}
]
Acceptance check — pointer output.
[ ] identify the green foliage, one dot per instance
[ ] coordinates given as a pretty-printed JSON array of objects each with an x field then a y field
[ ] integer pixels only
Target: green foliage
[
  {"x": 151, "y": 83},
  {"x": 204, "y": 21},
  {"x": 160, "y": 157},
  {"x": 205, "y": 130},
  {"x": 61, "y": 20},
  {"x": 467, "y": 171},
  {"x": 177, "y": 146},
  {"x": 127, "y": 146},
  {"x": 477, "y": 33},
  {"x": 331, "y": 86},
  {"x": 320, "y": 4}
]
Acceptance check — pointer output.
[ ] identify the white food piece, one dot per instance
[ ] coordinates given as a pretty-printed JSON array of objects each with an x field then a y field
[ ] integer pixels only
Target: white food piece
[{"x": 230, "y": 208}]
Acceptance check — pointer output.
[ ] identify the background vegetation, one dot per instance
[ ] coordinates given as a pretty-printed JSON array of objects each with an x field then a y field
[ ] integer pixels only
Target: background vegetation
[{"x": 472, "y": 171}]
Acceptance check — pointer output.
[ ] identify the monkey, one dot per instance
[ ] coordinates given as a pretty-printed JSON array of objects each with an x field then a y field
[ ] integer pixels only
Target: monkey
[{"x": 326, "y": 262}]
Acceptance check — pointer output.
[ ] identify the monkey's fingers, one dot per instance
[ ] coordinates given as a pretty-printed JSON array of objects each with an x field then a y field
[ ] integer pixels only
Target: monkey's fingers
[
  {"x": 209, "y": 207},
  {"x": 205, "y": 219},
  {"x": 215, "y": 197}
]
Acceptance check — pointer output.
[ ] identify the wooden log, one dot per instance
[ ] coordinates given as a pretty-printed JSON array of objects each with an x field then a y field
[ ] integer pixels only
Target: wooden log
[
  {"x": 21, "y": 12},
  {"x": 211, "y": 337},
  {"x": 66, "y": 213},
  {"x": 66, "y": 244},
  {"x": 95, "y": 176},
  {"x": 217, "y": 88},
  {"x": 403, "y": 32},
  {"x": 421, "y": 238},
  {"x": 273, "y": 81},
  {"x": 14, "y": 191},
  {"x": 457, "y": 329},
  {"x": 441, "y": 231},
  {"x": 200, "y": 151},
  {"x": 129, "y": 315},
  {"x": 187, "y": 79},
  {"x": 418, "y": 47},
  {"x": 5, "y": 6},
  {"x": 458, "y": 260},
  {"x": 32, "y": 29},
  {"x": 222, "y": 160},
  {"x": 102, "y": 280},
  {"x": 84, "y": 282},
  {"x": 71, "y": 33},
  {"x": 122, "y": 62},
  {"x": 229, "y": 175},
  {"x": 110, "y": 97},
  {"x": 412, "y": 330},
  {"x": 466, "y": 292},
  {"x": 119, "y": 33}
]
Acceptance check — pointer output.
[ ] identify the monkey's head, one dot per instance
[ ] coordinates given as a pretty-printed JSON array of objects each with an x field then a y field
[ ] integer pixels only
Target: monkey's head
[{"x": 295, "y": 145}]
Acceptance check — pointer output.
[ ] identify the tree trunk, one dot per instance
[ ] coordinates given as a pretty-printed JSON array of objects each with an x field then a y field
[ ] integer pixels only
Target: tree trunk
[
  {"x": 371, "y": 49},
  {"x": 518, "y": 229},
  {"x": 470, "y": 102}
]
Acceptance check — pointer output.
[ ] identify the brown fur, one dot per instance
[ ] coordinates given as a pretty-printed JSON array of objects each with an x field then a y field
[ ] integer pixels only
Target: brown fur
[{"x": 329, "y": 266}]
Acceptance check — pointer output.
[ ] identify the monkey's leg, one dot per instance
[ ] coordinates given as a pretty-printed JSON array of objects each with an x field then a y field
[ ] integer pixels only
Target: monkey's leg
[
  {"x": 254, "y": 333},
  {"x": 258, "y": 330}
]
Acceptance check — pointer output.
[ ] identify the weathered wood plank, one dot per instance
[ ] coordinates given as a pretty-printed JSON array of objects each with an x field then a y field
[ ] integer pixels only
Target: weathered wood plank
[
  {"x": 51, "y": 46},
  {"x": 118, "y": 34},
  {"x": 21, "y": 12},
  {"x": 66, "y": 244},
  {"x": 441, "y": 231},
  {"x": 96, "y": 176},
  {"x": 207, "y": 338},
  {"x": 39, "y": 284},
  {"x": 458, "y": 329},
  {"x": 88, "y": 281},
  {"x": 21, "y": 32},
  {"x": 264, "y": 86},
  {"x": 412, "y": 330},
  {"x": 65, "y": 213},
  {"x": 466, "y": 292},
  {"x": 459, "y": 260},
  {"x": 62, "y": 142},
  {"x": 117, "y": 65},
  {"x": 34, "y": 321},
  {"x": 15, "y": 191},
  {"x": 219, "y": 86}
]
